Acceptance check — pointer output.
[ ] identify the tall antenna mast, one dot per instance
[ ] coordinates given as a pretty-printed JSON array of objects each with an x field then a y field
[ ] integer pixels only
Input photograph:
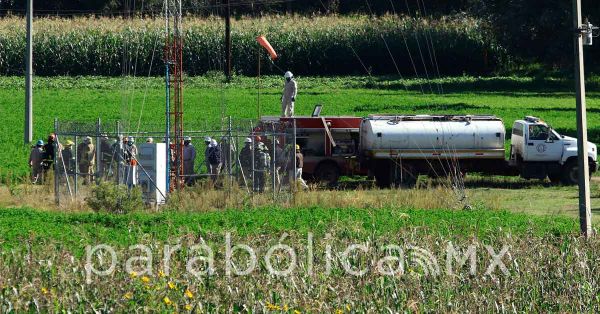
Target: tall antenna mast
[{"x": 174, "y": 90}]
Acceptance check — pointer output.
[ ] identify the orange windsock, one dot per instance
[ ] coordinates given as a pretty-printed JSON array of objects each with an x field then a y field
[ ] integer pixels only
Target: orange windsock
[{"x": 265, "y": 43}]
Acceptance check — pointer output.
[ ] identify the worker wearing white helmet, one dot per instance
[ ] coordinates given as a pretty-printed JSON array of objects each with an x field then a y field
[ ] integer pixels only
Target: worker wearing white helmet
[
  {"x": 288, "y": 98},
  {"x": 214, "y": 159},
  {"x": 246, "y": 161},
  {"x": 189, "y": 157},
  {"x": 149, "y": 140},
  {"x": 35, "y": 161},
  {"x": 86, "y": 158}
]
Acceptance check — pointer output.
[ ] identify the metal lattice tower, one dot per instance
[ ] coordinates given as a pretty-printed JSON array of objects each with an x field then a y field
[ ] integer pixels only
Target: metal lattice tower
[{"x": 174, "y": 90}]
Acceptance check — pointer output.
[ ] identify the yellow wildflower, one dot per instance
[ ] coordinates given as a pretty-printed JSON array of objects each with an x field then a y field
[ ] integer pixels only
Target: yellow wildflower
[
  {"x": 285, "y": 307},
  {"x": 146, "y": 279},
  {"x": 171, "y": 285},
  {"x": 273, "y": 307},
  {"x": 133, "y": 274},
  {"x": 167, "y": 301},
  {"x": 128, "y": 295},
  {"x": 348, "y": 307},
  {"x": 297, "y": 312},
  {"x": 161, "y": 273},
  {"x": 338, "y": 311},
  {"x": 44, "y": 291},
  {"x": 188, "y": 307},
  {"x": 189, "y": 293}
]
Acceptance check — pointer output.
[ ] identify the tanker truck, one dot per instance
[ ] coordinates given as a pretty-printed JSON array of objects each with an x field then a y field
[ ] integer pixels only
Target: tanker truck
[{"x": 396, "y": 149}]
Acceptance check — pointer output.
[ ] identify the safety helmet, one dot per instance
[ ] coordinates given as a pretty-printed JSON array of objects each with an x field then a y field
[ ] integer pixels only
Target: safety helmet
[
  {"x": 39, "y": 143},
  {"x": 213, "y": 142},
  {"x": 248, "y": 140},
  {"x": 149, "y": 140},
  {"x": 187, "y": 138},
  {"x": 207, "y": 139},
  {"x": 297, "y": 147},
  {"x": 288, "y": 75},
  {"x": 130, "y": 139},
  {"x": 87, "y": 139},
  {"x": 69, "y": 143}
]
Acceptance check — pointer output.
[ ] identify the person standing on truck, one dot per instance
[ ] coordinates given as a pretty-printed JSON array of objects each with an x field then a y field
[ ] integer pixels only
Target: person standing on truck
[
  {"x": 189, "y": 156},
  {"x": 288, "y": 98},
  {"x": 35, "y": 161},
  {"x": 299, "y": 165}
]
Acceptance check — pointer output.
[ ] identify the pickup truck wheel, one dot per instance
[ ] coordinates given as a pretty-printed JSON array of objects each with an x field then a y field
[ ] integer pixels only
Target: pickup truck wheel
[
  {"x": 569, "y": 173},
  {"x": 328, "y": 173},
  {"x": 555, "y": 178}
]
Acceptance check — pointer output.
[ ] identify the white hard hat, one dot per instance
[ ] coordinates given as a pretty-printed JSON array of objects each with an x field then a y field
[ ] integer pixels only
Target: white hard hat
[
  {"x": 207, "y": 139},
  {"x": 149, "y": 140},
  {"x": 248, "y": 140},
  {"x": 213, "y": 142},
  {"x": 130, "y": 139},
  {"x": 187, "y": 138},
  {"x": 87, "y": 139},
  {"x": 288, "y": 74}
]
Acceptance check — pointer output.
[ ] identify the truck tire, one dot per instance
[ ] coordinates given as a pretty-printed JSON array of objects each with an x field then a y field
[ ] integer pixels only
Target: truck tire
[
  {"x": 382, "y": 172},
  {"x": 569, "y": 173},
  {"x": 327, "y": 173},
  {"x": 555, "y": 178}
]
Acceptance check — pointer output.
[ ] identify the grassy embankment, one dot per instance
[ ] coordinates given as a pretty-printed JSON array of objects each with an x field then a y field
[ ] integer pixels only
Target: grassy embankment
[{"x": 42, "y": 261}]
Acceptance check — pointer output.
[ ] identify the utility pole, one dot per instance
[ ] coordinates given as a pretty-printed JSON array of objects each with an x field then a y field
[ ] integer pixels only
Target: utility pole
[
  {"x": 228, "y": 40},
  {"x": 28, "y": 132},
  {"x": 585, "y": 214}
]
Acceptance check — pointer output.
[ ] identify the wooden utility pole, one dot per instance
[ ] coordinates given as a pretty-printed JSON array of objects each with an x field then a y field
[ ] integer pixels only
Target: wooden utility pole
[
  {"x": 585, "y": 213},
  {"x": 28, "y": 130},
  {"x": 227, "y": 40}
]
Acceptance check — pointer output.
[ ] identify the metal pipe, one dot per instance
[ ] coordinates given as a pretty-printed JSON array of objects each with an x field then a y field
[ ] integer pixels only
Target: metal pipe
[{"x": 28, "y": 132}]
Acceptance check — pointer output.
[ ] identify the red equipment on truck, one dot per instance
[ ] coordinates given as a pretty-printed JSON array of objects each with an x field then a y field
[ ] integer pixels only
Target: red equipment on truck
[{"x": 329, "y": 145}]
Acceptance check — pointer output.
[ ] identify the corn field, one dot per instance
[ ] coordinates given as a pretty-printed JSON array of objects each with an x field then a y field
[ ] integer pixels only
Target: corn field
[{"x": 309, "y": 46}]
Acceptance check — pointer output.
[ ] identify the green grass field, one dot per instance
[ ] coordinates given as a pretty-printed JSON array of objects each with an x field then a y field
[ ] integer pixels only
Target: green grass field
[
  {"x": 207, "y": 99},
  {"x": 548, "y": 267}
]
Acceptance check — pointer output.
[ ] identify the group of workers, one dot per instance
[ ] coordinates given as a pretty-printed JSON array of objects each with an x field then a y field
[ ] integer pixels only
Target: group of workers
[{"x": 120, "y": 157}]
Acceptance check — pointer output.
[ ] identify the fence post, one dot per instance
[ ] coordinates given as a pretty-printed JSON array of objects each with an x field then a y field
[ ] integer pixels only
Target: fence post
[
  {"x": 56, "y": 168},
  {"x": 99, "y": 166},
  {"x": 76, "y": 172}
]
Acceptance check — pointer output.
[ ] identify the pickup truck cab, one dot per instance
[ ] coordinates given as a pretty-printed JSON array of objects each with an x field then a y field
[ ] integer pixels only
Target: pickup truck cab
[{"x": 539, "y": 151}]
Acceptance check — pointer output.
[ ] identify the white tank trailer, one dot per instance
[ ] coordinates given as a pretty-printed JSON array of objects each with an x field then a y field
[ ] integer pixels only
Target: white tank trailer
[{"x": 397, "y": 148}]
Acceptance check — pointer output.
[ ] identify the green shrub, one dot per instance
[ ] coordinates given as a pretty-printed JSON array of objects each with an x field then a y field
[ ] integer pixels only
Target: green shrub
[{"x": 116, "y": 199}]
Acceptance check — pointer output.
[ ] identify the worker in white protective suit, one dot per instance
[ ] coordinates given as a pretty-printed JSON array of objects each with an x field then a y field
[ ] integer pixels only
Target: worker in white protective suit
[
  {"x": 288, "y": 98},
  {"x": 189, "y": 156}
]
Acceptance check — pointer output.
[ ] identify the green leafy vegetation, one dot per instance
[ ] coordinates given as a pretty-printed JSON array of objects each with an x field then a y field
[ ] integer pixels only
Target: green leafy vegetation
[
  {"x": 208, "y": 98},
  {"x": 43, "y": 258},
  {"x": 112, "y": 198},
  {"x": 316, "y": 45}
]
